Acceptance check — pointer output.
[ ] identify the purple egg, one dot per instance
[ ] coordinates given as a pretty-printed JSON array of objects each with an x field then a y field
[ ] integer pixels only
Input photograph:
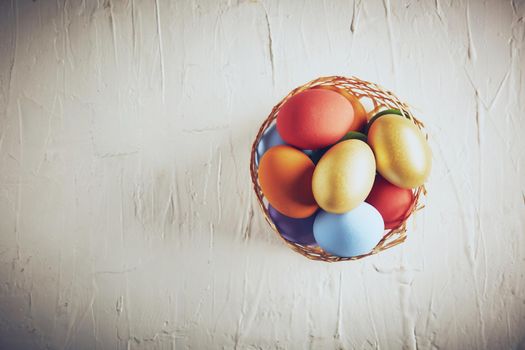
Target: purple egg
[{"x": 294, "y": 230}]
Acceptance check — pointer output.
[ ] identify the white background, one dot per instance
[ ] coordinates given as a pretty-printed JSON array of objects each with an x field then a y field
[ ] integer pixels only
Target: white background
[{"x": 127, "y": 218}]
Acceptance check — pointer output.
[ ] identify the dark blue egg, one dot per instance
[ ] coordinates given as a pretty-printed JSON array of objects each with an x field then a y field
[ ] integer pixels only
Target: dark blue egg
[{"x": 294, "y": 230}]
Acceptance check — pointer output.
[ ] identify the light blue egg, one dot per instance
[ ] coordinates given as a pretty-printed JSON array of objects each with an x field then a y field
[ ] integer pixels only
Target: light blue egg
[
  {"x": 269, "y": 139},
  {"x": 353, "y": 233}
]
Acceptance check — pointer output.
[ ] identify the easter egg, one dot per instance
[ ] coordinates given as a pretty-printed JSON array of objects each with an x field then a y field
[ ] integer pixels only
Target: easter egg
[
  {"x": 269, "y": 139},
  {"x": 314, "y": 118},
  {"x": 353, "y": 233},
  {"x": 392, "y": 202},
  {"x": 344, "y": 176},
  {"x": 380, "y": 114},
  {"x": 294, "y": 230},
  {"x": 308, "y": 152},
  {"x": 285, "y": 176},
  {"x": 360, "y": 115},
  {"x": 316, "y": 155},
  {"x": 354, "y": 135},
  {"x": 402, "y": 153}
]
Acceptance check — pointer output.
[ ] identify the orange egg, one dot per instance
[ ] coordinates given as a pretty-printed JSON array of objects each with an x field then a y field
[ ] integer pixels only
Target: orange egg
[
  {"x": 285, "y": 176},
  {"x": 360, "y": 115}
]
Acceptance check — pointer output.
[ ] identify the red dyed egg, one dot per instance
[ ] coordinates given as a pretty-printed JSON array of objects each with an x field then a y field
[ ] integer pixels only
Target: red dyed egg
[
  {"x": 315, "y": 118},
  {"x": 392, "y": 202}
]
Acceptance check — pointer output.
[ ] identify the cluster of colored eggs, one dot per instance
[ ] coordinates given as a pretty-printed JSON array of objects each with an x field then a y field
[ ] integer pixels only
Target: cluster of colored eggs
[{"x": 335, "y": 179}]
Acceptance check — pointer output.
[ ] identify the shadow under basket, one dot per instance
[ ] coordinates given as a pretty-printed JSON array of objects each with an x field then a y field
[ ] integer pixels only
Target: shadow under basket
[{"x": 380, "y": 99}]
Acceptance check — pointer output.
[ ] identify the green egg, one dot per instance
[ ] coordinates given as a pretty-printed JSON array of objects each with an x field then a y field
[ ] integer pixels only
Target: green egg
[
  {"x": 382, "y": 113},
  {"x": 354, "y": 135}
]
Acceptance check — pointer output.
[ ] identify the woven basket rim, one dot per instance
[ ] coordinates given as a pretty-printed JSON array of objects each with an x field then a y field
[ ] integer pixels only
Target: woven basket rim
[{"x": 381, "y": 99}]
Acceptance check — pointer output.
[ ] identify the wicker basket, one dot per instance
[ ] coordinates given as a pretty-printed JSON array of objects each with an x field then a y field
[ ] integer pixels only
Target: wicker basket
[{"x": 381, "y": 99}]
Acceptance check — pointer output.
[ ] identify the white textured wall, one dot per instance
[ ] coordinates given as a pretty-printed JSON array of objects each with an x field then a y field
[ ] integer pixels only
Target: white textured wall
[{"x": 127, "y": 218}]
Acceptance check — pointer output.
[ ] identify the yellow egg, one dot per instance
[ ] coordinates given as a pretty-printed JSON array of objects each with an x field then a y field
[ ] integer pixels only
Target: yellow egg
[
  {"x": 402, "y": 153},
  {"x": 344, "y": 176}
]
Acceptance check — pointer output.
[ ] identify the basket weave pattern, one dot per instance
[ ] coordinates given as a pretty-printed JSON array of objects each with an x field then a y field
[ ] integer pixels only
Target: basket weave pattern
[{"x": 381, "y": 99}]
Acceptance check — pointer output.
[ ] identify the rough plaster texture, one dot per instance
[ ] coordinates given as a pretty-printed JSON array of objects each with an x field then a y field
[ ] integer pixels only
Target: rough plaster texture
[{"x": 127, "y": 218}]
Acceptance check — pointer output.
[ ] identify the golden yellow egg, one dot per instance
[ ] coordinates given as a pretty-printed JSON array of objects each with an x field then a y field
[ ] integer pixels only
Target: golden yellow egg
[
  {"x": 402, "y": 153},
  {"x": 344, "y": 176}
]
